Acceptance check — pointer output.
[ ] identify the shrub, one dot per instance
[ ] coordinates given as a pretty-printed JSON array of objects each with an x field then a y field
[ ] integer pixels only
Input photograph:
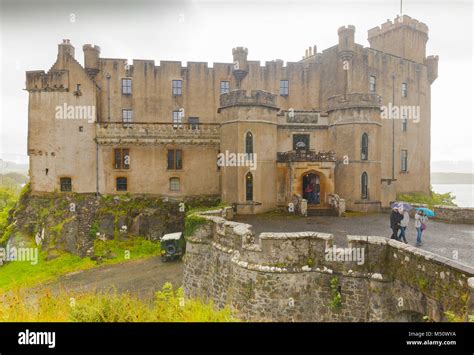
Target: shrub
[
  {"x": 431, "y": 199},
  {"x": 169, "y": 306}
]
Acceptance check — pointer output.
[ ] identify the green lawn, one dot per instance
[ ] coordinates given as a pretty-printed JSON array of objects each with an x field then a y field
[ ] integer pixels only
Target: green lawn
[{"x": 20, "y": 274}]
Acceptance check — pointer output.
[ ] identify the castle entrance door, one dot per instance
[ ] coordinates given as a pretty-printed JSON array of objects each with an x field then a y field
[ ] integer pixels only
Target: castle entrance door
[{"x": 312, "y": 188}]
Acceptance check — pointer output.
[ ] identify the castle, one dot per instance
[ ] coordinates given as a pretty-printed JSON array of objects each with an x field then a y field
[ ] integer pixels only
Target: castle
[{"x": 350, "y": 121}]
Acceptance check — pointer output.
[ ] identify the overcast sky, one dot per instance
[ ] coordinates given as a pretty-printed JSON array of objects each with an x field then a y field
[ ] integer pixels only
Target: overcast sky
[{"x": 208, "y": 30}]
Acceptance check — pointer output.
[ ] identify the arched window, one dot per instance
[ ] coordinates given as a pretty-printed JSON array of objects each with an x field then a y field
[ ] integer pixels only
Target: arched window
[
  {"x": 249, "y": 143},
  {"x": 364, "y": 147},
  {"x": 364, "y": 183},
  {"x": 249, "y": 187}
]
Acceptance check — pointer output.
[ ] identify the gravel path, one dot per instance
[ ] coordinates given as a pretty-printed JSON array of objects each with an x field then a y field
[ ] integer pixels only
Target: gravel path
[{"x": 141, "y": 278}]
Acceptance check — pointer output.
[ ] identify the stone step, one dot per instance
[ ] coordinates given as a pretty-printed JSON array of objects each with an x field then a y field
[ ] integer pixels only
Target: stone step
[{"x": 321, "y": 211}]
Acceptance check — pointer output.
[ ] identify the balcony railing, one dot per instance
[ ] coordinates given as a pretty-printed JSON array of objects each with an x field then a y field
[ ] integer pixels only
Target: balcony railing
[
  {"x": 158, "y": 132},
  {"x": 305, "y": 156}
]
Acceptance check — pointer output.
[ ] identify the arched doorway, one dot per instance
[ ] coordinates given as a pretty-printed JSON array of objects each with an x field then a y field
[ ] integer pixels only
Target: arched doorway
[{"x": 312, "y": 188}]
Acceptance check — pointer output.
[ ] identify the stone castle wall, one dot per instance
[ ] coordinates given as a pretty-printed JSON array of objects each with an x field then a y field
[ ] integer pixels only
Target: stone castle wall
[
  {"x": 450, "y": 214},
  {"x": 286, "y": 277}
]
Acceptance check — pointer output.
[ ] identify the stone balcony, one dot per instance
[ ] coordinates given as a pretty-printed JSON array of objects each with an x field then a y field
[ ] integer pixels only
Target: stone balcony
[
  {"x": 137, "y": 133},
  {"x": 305, "y": 156}
]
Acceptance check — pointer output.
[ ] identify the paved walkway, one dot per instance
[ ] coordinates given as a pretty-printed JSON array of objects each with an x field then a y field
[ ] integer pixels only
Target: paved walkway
[{"x": 440, "y": 238}]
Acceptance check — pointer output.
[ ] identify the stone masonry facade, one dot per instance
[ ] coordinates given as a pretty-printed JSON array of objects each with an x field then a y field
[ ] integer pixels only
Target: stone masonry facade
[{"x": 113, "y": 127}]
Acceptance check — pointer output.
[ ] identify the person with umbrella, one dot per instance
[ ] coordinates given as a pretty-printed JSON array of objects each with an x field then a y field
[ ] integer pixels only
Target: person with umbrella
[
  {"x": 395, "y": 219},
  {"x": 420, "y": 222},
  {"x": 403, "y": 208},
  {"x": 403, "y": 225}
]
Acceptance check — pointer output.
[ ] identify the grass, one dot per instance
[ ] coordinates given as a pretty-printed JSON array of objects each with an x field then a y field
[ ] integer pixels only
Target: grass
[
  {"x": 169, "y": 306},
  {"x": 23, "y": 274}
]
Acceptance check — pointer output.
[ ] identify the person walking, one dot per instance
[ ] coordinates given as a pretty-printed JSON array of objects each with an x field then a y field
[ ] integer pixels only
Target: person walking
[
  {"x": 395, "y": 218},
  {"x": 420, "y": 226},
  {"x": 403, "y": 227}
]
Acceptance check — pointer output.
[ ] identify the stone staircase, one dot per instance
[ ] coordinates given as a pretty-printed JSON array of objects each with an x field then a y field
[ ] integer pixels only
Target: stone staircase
[{"x": 321, "y": 210}]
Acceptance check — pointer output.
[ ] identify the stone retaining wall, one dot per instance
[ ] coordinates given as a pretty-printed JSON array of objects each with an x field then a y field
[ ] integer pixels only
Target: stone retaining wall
[
  {"x": 287, "y": 277},
  {"x": 450, "y": 214}
]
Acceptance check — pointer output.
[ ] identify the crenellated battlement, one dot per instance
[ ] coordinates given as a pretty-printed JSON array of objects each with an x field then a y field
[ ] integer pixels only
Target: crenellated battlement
[
  {"x": 398, "y": 22},
  {"x": 373, "y": 274},
  {"x": 354, "y": 100},
  {"x": 54, "y": 80}
]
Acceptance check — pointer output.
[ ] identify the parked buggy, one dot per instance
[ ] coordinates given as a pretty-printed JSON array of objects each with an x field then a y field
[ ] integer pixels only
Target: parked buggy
[{"x": 173, "y": 246}]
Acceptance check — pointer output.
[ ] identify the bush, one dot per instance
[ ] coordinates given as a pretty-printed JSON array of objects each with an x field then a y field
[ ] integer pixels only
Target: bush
[{"x": 431, "y": 200}]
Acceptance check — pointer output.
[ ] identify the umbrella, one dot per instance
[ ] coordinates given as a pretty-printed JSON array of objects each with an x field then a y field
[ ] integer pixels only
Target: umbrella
[
  {"x": 400, "y": 204},
  {"x": 426, "y": 211}
]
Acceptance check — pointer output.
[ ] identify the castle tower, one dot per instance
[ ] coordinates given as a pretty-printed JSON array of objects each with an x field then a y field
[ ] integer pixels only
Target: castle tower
[
  {"x": 345, "y": 51},
  {"x": 249, "y": 125},
  {"x": 91, "y": 59},
  {"x": 355, "y": 135},
  {"x": 404, "y": 37},
  {"x": 240, "y": 64}
]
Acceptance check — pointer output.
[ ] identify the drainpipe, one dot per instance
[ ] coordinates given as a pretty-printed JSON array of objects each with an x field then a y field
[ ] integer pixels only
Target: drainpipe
[
  {"x": 108, "y": 96},
  {"x": 96, "y": 167},
  {"x": 393, "y": 129}
]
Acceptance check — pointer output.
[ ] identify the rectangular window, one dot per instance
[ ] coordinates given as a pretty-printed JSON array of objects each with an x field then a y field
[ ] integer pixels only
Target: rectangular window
[
  {"x": 372, "y": 84},
  {"x": 404, "y": 90},
  {"x": 78, "y": 87},
  {"x": 225, "y": 88},
  {"x": 404, "y": 124},
  {"x": 121, "y": 183},
  {"x": 301, "y": 142},
  {"x": 175, "y": 159},
  {"x": 284, "y": 88},
  {"x": 65, "y": 184},
  {"x": 177, "y": 119},
  {"x": 193, "y": 122},
  {"x": 121, "y": 158},
  {"x": 404, "y": 160},
  {"x": 127, "y": 86},
  {"x": 127, "y": 118},
  {"x": 177, "y": 87},
  {"x": 175, "y": 184}
]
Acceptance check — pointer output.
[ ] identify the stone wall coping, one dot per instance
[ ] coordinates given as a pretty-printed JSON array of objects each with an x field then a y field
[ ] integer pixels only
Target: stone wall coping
[
  {"x": 295, "y": 235},
  {"x": 454, "y": 208},
  {"x": 243, "y": 230}
]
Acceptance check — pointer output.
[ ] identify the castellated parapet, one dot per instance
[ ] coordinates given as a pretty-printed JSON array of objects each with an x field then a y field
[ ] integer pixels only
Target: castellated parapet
[
  {"x": 354, "y": 100},
  {"x": 54, "y": 80},
  {"x": 405, "y": 37},
  {"x": 398, "y": 22},
  {"x": 287, "y": 276}
]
